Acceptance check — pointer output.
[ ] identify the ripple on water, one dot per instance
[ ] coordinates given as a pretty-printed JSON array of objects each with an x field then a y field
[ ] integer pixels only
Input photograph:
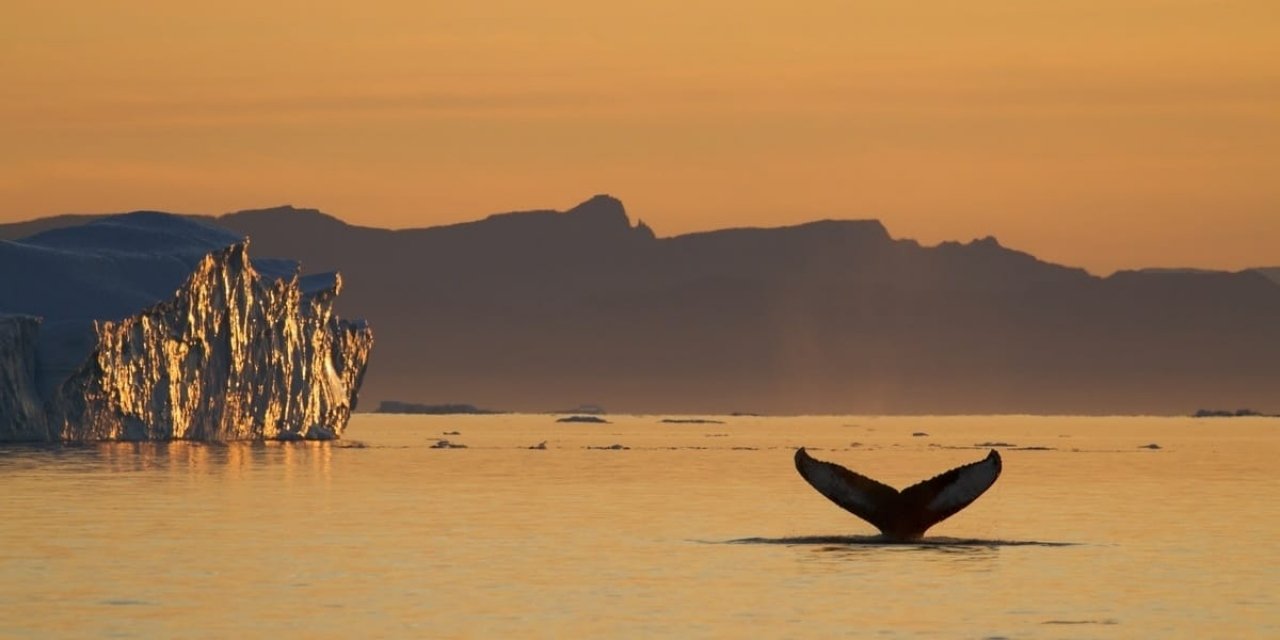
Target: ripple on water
[
  {"x": 1107, "y": 621},
  {"x": 877, "y": 541}
]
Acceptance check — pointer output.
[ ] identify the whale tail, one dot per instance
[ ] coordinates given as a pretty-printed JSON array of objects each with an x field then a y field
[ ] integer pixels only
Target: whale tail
[{"x": 906, "y": 514}]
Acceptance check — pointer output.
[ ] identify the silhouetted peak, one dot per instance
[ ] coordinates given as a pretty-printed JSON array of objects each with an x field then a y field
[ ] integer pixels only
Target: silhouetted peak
[
  {"x": 285, "y": 213},
  {"x": 603, "y": 212},
  {"x": 282, "y": 209},
  {"x": 987, "y": 244},
  {"x": 600, "y": 223},
  {"x": 862, "y": 229},
  {"x": 830, "y": 233},
  {"x": 601, "y": 205},
  {"x": 644, "y": 230}
]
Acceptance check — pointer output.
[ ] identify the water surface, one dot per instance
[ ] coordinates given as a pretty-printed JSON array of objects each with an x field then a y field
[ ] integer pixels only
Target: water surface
[{"x": 691, "y": 530}]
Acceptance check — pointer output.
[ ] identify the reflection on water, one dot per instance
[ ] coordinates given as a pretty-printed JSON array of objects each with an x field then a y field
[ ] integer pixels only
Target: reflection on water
[
  {"x": 173, "y": 456},
  {"x": 875, "y": 547},
  {"x": 956, "y": 559},
  {"x": 690, "y": 530},
  {"x": 930, "y": 543}
]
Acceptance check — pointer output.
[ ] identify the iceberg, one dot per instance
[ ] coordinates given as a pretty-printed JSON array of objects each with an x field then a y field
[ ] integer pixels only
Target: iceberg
[{"x": 154, "y": 327}]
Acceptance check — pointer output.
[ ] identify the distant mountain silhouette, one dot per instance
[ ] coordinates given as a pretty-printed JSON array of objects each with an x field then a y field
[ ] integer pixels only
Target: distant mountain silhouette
[{"x": 539, "y": 309}]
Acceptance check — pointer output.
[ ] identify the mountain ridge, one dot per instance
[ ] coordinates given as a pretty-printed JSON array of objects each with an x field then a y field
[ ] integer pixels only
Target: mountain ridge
[
  {"x": 538, "y": 309},
  {"x": 252, "y": 219},
  {"x": 599, "y": 207}
]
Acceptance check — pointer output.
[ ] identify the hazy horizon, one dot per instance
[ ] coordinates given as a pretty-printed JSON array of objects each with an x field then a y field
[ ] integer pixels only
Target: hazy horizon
[{"x": 1107, "y": 137}]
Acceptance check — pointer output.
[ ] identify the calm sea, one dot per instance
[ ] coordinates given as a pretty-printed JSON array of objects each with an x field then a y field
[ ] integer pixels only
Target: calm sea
[{"x": 691, "y": 530}]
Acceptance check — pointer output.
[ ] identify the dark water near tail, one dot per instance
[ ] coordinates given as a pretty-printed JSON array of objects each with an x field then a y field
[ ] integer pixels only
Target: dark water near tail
[{"x": 878, "y": 541}]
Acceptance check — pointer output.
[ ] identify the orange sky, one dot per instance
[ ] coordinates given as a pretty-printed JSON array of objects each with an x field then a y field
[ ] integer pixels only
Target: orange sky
[{"x": 1101, "y": 134}]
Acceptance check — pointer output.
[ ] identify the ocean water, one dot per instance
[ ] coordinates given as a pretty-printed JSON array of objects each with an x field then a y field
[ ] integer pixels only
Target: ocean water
[{"x": 692, "y": 530}]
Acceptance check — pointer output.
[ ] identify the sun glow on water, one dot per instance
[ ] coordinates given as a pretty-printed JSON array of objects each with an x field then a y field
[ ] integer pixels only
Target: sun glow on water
[{"x": 689, "y": 528}]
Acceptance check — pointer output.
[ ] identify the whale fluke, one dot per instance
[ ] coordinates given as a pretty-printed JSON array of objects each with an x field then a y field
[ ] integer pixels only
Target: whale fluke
[{"x": 906, "y": 514}]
